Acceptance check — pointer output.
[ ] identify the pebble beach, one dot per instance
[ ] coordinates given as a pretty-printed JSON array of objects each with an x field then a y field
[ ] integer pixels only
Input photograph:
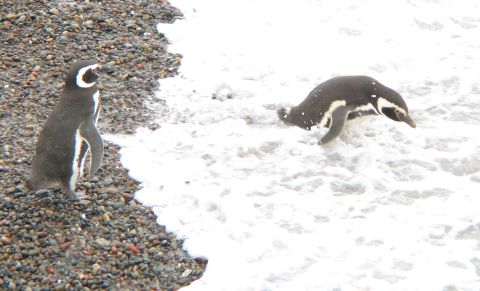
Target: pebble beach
[{"x": 106, "y": 240}]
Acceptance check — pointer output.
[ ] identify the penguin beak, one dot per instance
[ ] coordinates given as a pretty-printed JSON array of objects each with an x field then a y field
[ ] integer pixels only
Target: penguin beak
[
  {"x": 105, "y": 69},
  {"x": 408, "y": 120}
]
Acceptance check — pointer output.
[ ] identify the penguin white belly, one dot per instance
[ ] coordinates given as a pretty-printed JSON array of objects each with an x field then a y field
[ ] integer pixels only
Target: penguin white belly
[
  {"x": 96, "y": 102},
  {"x": 77, "y": 165},
  {"x": 82, "y": 161}
]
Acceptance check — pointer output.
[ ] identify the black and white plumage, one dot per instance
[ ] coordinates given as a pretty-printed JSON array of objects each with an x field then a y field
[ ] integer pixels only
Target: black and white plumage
[
  {"x": 70, "y": 132},
  {"x": 339, "y": 99}
]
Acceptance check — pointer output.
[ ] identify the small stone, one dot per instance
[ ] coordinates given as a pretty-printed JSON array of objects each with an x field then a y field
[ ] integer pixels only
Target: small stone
[
  {"x": 95, "y": 268},
  {"x": 54, "y": 11},
  {"x": 134, "y": 275},
  {"x": 21, "y": 19},
  {"x": 84, "y": 202},
  {"x": 133, "y": 248},
  {"x": 106, "y": 217},
  {"x": 102, "y": 243},
  {"x": 43, "y": 193},
  {"x": 46, "y": 201},
  {"x": 111, "y": 22},
  {"x": 6, "y": 240},
  {"x": 88, "y": 23},
  {"x": 186, "y": 272},
  {"x": 19, "y": 195},
  {"x": 154, "y": 84},
  {"x": 88, "y": 185},
  {"x": 111, "y": 190}
]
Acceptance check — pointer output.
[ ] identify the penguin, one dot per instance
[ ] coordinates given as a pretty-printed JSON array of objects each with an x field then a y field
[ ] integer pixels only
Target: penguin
[
  {"x": 343, "y": 98},
  {"x": 70, "y": 133}
]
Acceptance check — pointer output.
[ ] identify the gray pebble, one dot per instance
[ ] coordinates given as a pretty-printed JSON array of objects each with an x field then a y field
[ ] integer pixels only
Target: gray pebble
[
  {"x": 42, "y": 193},
  {"x": 103, "y": 243}
]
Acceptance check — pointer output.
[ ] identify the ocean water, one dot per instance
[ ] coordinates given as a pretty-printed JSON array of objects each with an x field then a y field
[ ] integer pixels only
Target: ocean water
[{"x": 383, "y": 207}]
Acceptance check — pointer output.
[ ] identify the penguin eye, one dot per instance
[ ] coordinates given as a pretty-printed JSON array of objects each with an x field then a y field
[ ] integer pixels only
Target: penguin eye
[
  {"x": 89, "y": 76},
  {"x": 392, "y": 113},
  {"x": 399, "y": 114}
]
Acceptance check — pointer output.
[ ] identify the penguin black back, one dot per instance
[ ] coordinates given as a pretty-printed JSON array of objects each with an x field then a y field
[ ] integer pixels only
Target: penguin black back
[{"x": 338, "y": 99}]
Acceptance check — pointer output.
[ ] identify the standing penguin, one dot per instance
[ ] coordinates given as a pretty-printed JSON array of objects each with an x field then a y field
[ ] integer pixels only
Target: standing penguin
[
  {"x": 339, "y": 99},
  {"x": 70, "y": 132}
]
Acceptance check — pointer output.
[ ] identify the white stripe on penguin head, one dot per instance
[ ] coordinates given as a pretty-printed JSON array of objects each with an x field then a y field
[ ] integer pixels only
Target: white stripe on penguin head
[
  {"x": 81, "y": 72},
  {"x": 384, "y": 103},
  {"x": 327, "y": 115}
]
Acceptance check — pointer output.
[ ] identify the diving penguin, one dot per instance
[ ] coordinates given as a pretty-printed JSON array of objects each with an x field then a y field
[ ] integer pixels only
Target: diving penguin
[
  {"x": 343, "y": 98},
  {"x": 70, "y": 132}
]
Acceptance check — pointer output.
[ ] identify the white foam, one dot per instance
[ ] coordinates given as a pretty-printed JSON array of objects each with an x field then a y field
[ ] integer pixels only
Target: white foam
[{"x": 384, "y": 207}]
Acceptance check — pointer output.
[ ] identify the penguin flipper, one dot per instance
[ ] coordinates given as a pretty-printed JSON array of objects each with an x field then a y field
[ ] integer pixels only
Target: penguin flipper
[
  {"x": 337, "y": 122},
  {"x": 90, "y": 133}
]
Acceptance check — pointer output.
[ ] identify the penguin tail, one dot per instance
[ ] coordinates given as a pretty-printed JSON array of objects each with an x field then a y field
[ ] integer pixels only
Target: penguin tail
[{"x": 282, "y": 114}]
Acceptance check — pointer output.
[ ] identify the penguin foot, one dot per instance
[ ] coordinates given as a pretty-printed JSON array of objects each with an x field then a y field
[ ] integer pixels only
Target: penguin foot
[{"x": 72, "y": 196}]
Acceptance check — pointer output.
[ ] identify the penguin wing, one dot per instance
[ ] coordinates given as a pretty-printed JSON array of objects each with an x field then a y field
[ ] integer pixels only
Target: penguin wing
[
  {"x": 337, "y": 122},
  {"x": 90, "y": 133}
]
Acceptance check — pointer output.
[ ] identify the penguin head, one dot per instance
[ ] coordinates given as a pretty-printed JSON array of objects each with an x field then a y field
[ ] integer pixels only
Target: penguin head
[
  {"x": 83, "y": 74},
  {"x": 392, "y": 105},
  {"x": 284, "y": 114},
  {"x": 290, "y": 116}
]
